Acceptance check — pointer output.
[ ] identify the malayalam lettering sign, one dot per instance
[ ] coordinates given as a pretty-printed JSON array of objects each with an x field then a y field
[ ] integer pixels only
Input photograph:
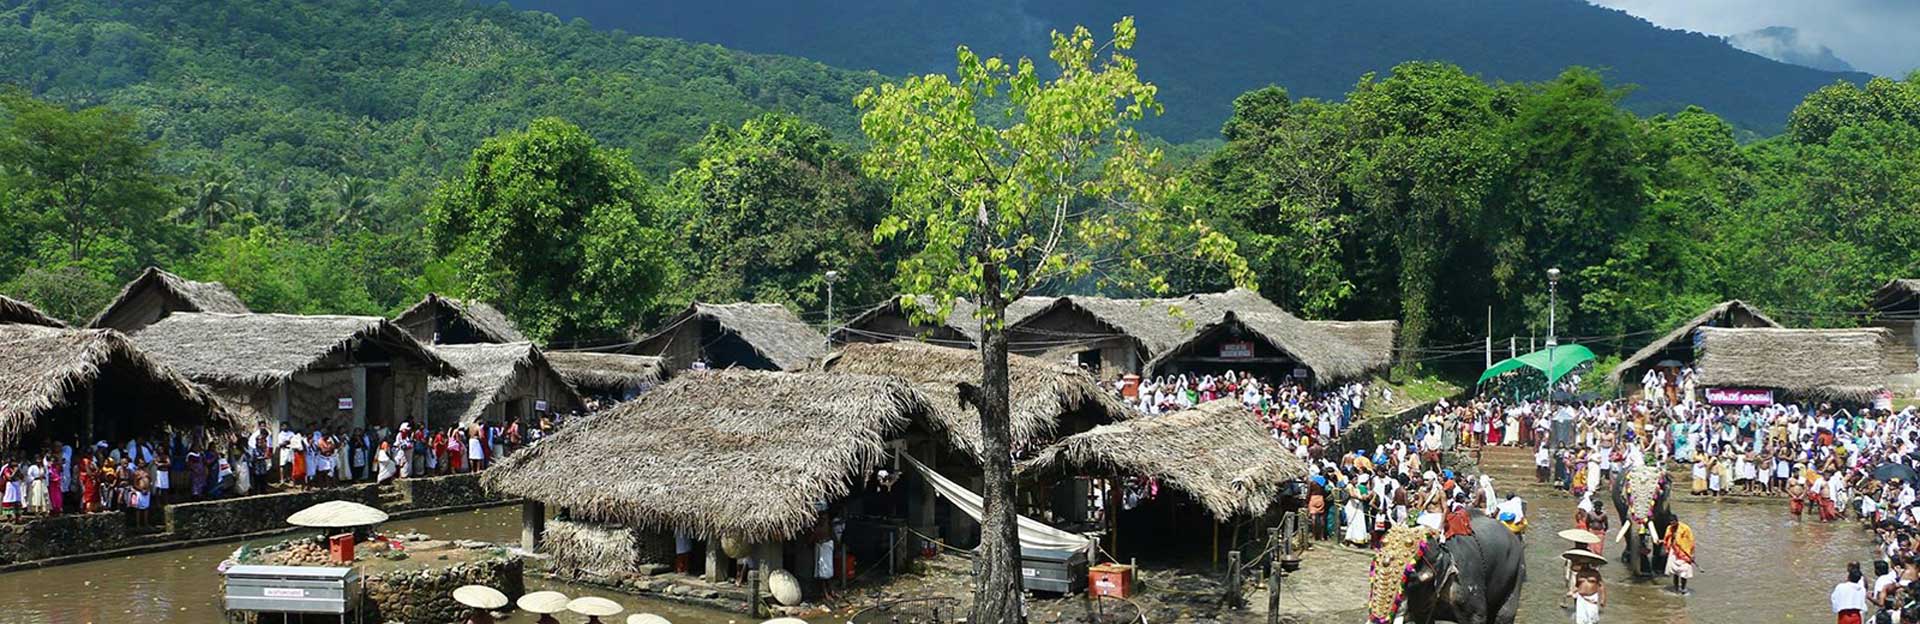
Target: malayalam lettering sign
[
  {"x": 1739, "y": 396},
  {"x": 1236, "y": 350},
  {"x": 346, "y": 403}
]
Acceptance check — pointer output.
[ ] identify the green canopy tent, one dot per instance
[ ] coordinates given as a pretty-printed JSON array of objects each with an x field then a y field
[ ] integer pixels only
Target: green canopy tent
[{"x": 1554, "y": 362}]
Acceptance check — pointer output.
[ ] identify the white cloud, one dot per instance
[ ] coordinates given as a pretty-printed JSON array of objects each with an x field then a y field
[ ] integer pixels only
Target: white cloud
[{"x": 1880, "y": 36}]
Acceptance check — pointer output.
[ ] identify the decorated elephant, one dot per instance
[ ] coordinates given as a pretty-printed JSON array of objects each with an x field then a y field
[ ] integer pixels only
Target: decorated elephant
[
  {"x": 1471, "y": 579},
  {"x": 1640, "y": 496}
]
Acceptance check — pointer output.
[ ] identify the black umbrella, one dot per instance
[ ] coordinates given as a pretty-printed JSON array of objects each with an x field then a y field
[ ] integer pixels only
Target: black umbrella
[{"x": 1890, "y": 471}]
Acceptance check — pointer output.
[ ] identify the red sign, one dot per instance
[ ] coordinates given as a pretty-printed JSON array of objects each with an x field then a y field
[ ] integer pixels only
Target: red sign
[
  {"x": 1739, "y": 396},
  {"x": 1236, "y": 350}
]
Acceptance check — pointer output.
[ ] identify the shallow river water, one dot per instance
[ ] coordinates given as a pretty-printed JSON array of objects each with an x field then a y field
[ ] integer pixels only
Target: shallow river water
[
  {"x": 182, "y": 586},
  {"x": 1756, "y": 565}
]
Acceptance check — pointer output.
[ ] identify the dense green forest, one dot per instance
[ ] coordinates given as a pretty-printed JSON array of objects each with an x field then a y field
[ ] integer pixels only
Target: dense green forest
[
  {"x": 348, "y": 157},
  {"x": 1203, "y": 54}
]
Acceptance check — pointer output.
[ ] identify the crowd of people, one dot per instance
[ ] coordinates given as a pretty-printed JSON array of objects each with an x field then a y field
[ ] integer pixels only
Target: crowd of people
[{"x": 145, "y": 473}]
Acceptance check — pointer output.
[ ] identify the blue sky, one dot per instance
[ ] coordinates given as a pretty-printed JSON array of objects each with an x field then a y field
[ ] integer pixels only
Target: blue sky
[{"x": 1879, "y": 36}]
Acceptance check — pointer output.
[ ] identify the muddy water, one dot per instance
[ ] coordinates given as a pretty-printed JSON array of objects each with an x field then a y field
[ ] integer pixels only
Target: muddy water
[
  {"x": 182, "y": 586},
  {"x": 1756, "y": 564}
]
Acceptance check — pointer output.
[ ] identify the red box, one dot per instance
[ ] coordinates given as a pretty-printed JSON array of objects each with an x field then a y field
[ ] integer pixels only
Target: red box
[
  {"x": 342, "y": 547},
  {"x": 1110, "y": 579}
]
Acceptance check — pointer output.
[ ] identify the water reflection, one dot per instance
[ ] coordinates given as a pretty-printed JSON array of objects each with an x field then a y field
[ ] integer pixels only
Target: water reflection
[{"x": 182, "y": 586}]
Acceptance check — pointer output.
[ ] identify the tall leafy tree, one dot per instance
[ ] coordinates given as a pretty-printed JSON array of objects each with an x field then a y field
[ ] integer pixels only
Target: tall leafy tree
[
  {"x": 765, "y": 209},
  {"x": 556, "y": 230},
  {"x": 1005, "y": 181},
  {"x": 80, "y": 175}
]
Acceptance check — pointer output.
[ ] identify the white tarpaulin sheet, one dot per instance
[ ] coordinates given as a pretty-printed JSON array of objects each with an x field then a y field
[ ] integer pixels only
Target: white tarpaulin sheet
[{"x": 1033, "y": 533}]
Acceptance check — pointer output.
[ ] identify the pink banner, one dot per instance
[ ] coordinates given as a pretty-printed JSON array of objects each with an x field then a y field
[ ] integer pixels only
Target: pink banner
[{"x": 1739, "y": 396}]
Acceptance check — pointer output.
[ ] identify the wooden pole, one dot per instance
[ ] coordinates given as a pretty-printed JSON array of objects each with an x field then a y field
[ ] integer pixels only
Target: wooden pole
[
  {"x": 1216, "y": 546},
  {"x": 533, "y": 524},
  {"x": 1273, "y": 579},
  {"x": 1233, "y": 579}
]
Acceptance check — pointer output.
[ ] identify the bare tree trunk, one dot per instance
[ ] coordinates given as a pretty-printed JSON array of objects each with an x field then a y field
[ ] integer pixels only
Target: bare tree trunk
[{"x": 997, "y": 596}]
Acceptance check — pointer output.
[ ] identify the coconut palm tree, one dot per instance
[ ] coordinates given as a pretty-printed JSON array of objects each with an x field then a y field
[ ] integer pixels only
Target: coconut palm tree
[
  {"x": 352, "y": 204},
  {"x": 214, "y": 197}
]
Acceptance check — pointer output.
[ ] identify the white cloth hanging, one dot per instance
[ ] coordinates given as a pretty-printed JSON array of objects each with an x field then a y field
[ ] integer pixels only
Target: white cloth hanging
[{"x": 1033, "y": 533}]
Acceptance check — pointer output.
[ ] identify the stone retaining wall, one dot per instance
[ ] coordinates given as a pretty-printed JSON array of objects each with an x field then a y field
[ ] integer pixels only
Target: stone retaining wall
[
  {"x": 63, "y": 535},
  {"x": 448, "y": 491},
  {"x": 426, "y": 596},
  {"x": 236, "y": 516}
]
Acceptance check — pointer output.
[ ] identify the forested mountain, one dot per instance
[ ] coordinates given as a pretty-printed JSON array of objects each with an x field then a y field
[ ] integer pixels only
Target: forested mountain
[
  {"x": 390, "y": 89},
  {"x": 1202, "y": 54}
]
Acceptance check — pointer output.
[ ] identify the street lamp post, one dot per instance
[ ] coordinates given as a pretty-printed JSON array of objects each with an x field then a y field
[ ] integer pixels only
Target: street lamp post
[
  {"x": 831, "y": 278},
  {"x": 1553, "y": 284}
]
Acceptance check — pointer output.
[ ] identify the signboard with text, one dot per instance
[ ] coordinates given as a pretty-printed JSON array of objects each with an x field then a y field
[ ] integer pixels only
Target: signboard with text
[
  {"x": 1236, "y": 350},
  {"x": 1739, "y": 396},
  {"x": 346, "y": 403}
]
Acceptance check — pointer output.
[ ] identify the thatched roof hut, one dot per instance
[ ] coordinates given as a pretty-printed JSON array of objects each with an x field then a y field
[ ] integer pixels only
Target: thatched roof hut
[
  {"x": 265, "y": 349},
  {"x": 1846, "y": 364},
  {"x": 496, "y": 382},
  {"x": 615, "y": 374},
  {"x": 893, "y": 320},
  {"x": 1281, "y": 338},
  {"x": 445, "y": 320},
  {"x": 763, "y": 336},
  {"x": 156, "y": 293},
  {"x": 1673, "y": 345},
  {"x": 1042, "y": 394},
  {"x": 731, "y": 452},
  {"x": 15, "y": 311},
  {"x": 1896, "y": 306},
  {"x": 46, "y": 372},
  {"x": 1216, "y": 453},
  {"x": 1373, "y": 339}
]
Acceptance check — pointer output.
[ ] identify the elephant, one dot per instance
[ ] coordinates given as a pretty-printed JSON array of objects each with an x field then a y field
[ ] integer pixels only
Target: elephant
[
  {"x": 1470, "y": 579},
  {"x": 1642, "y": 553}
]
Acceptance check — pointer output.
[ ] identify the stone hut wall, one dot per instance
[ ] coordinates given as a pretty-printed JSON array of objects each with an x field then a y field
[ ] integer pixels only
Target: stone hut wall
[
  {"x": 448, "y": 491},
  {"x": 426, "y": 596}
]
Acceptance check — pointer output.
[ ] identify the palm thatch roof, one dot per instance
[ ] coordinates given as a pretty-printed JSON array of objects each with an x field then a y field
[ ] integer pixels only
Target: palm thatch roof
[
  {"x": 1318, "y": 347},
  {"x": 1897, "y": 299},
  {"x": 1374, "y": 339},
  {"x": 20, "y": 312},
  {"x": 181, "y": 295},
  {"x": 487, "y": 374},
  {"x": 728, "y": 452},
  {"x": 41, "y": 368},
  {"x": 1041, "y": 393},
  {"x": 1848, "y": 364},
  {"x": 487, "y": 322},
  {"x": 1729, "y": 313},
  {"x": 261, "y": 350},
  {"x": 1217, "y": 453},
  {"x": 770, "y": 329},
  {"x": 607, "y": 371},
  {"x": 962, "y": 321}
]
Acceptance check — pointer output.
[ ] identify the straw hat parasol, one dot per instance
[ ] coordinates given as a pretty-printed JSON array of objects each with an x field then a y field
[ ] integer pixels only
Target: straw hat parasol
[
  {"x": 785, "y": 620},
  {"x": 646, "y": 618},
  {"x": 1580, "y": 536},
  {"x": 480, "y": 597},
  {"x": 785, "y": 588},
  {"x": 543, "y": 602},
  {"x": 594, "y": 606},
  {"x": 1582, "y": 553},
  {"x": 337, "y": 514}
]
